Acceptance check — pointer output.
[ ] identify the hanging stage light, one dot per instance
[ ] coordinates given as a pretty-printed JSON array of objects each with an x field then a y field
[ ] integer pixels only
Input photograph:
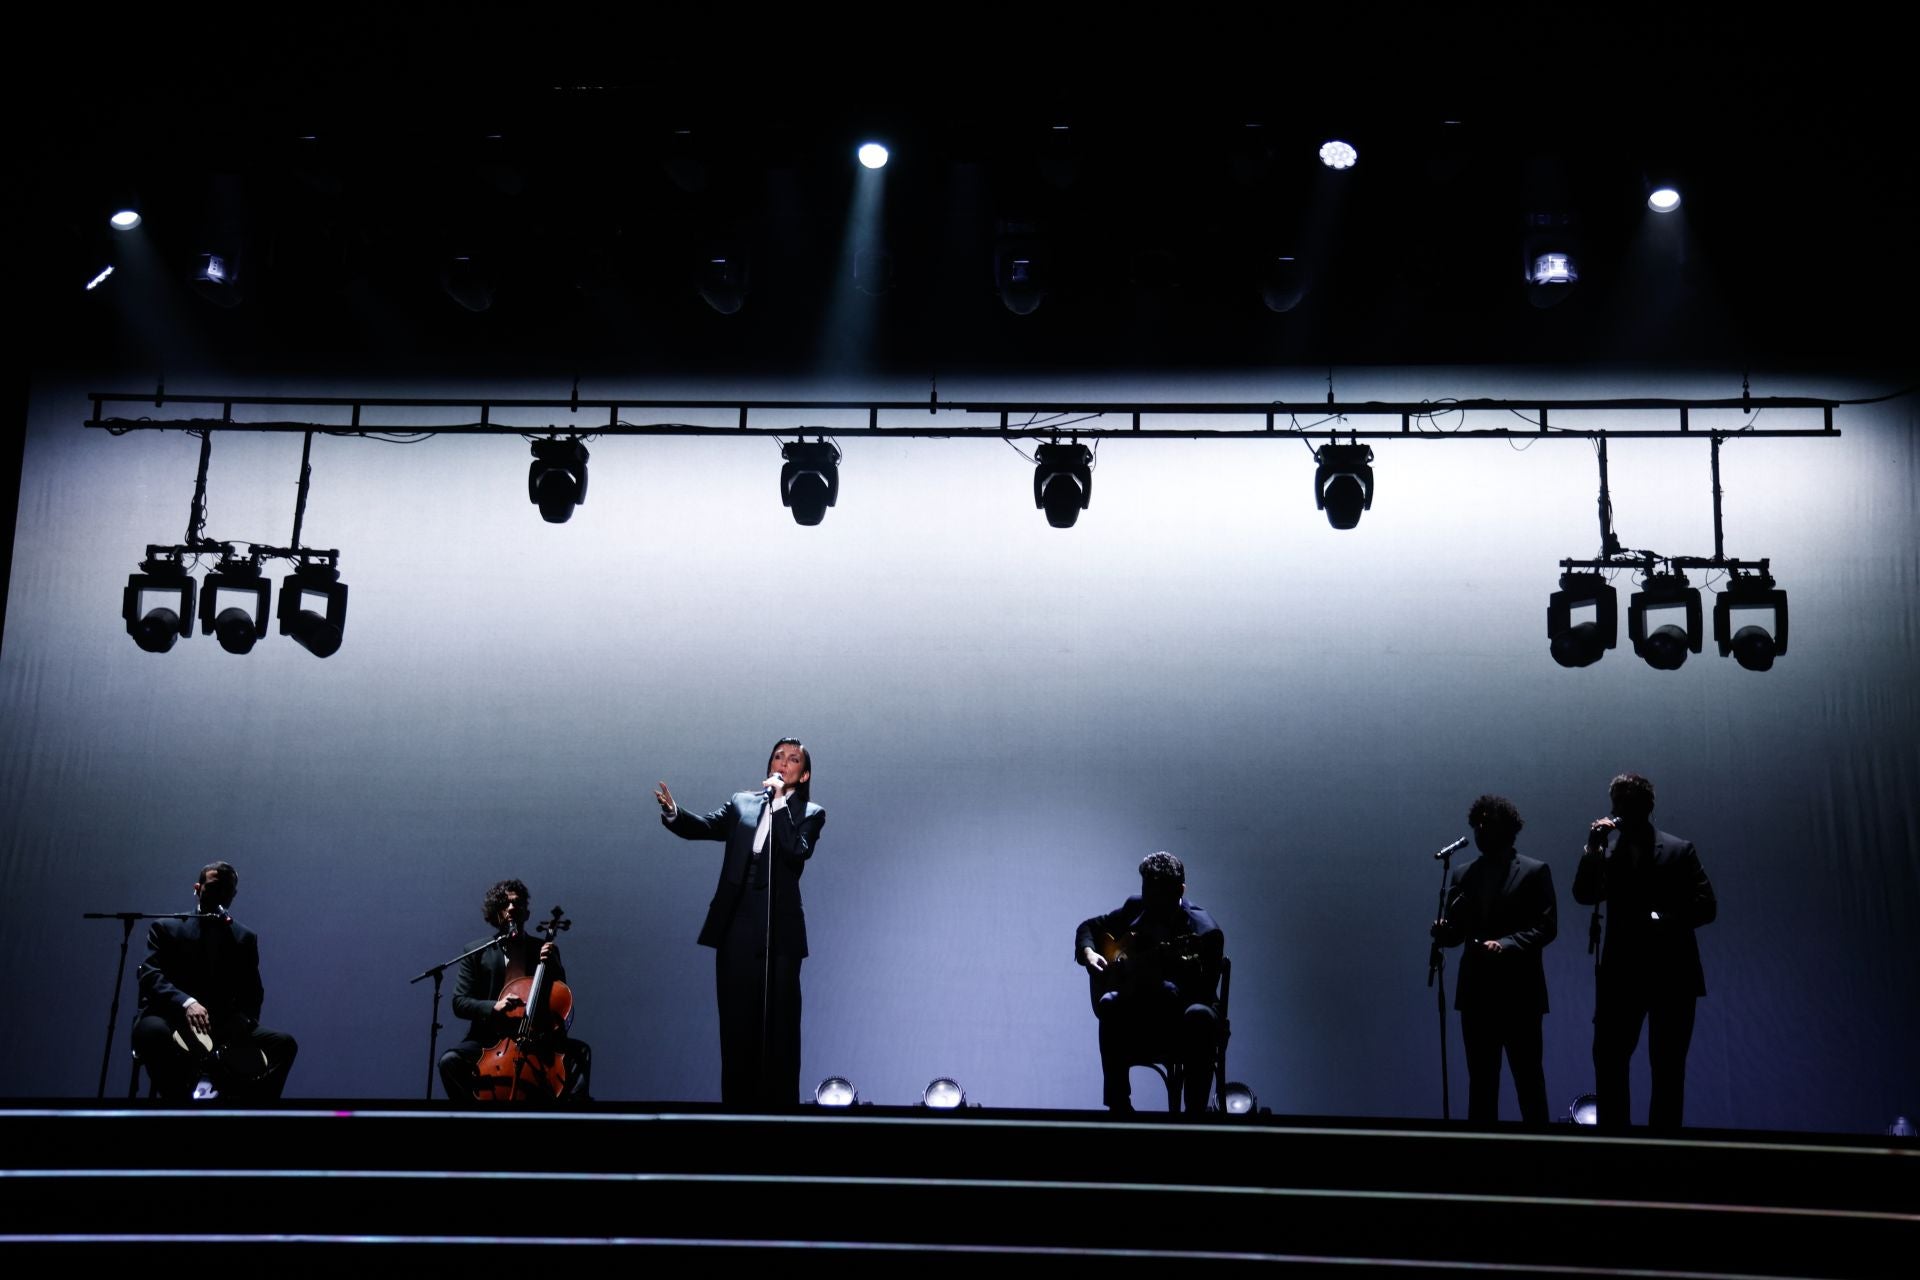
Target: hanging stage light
[
  {"x": 1063, "y": 482},
  {"x": 1284, "y": 281},
  {"x": 1022, "y": 266},
  {"x": 557, "y": 478},
  {"x": 221, "y": 242},
  {"x": 1343, "y": 485},
  {"x": 1753, "y": 645},
  {"x": 470, "y": 280},
  {"x": 1550, "y": 258},
  {"x": 1583, "y": 643},
  {"x": 873, "y": 269},
  {"x": 233, "y": 605},
  {"x": 1667, "y": 646},
  {"x": 1553, "y": 268},
  {"x": 722, "y": 278},
  {"x": 216, "y": 277},
  {"x": 1336, "y": 154},
  {"x": 317, "y": 632},
  {"x": 158, "y": 604},
  {"x": 810, "y": 480}
]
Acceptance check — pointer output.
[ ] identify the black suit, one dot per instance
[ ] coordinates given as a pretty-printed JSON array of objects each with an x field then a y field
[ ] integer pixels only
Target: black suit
[
  {"x": 736, "y": 927},
  {"x": 1160, "y": 1009},
  {"x": 475, "y": 988},
  {"x": 216, "y": 962},
  {"x": 1649, "y": 971},
  {"x": 1502, "y": 995}
]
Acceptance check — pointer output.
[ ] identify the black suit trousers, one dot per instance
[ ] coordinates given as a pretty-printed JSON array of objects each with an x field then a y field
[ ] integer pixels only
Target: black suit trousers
[
  {"x": 1486, "y": 1034},
  {"x": 740, "y": 977},
  {"x": 240, "y": 1075},
  {"x": 1156, "y": 1030},
  {"x": 1620, "y": 1008}
]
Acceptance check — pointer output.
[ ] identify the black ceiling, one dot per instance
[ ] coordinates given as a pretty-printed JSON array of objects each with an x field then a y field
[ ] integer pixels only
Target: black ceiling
[{"x": 363, "y": 161}]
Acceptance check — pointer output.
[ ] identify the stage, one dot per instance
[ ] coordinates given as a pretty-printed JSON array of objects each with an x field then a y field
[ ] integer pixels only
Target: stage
[{"x": 872, "y": 1188}]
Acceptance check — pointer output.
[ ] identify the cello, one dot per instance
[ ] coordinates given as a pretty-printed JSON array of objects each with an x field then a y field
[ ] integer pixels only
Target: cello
[{"x": 528, "y": 1061}]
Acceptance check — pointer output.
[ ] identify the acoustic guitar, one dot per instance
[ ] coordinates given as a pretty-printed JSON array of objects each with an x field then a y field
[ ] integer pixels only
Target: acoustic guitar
[{"x": 1137, "y": 964}]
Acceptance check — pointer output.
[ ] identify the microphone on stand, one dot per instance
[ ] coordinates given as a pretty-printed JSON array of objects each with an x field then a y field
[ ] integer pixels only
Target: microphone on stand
[{"x": 1453, "y": 848}]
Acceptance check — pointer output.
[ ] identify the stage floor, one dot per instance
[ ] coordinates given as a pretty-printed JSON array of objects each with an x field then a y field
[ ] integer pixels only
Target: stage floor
[{"x": 874, "y": 1188}]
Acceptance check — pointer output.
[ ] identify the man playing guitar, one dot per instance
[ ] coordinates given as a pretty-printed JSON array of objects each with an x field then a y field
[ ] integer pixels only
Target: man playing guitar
[
  {"x": 1154, "y": 965},
  {"x": 198, "y": 1030}
]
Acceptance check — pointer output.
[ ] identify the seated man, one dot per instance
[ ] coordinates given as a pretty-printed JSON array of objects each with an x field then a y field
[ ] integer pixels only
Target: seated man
[
  {"x": 1155, "y": 968},
  {"x": 198, "y": 1030},
  {"x": 478, "y": 996}
]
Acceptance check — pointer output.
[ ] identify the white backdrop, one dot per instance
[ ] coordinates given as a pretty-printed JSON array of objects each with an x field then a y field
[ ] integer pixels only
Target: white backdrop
[{"x": 1004, "y": 717}]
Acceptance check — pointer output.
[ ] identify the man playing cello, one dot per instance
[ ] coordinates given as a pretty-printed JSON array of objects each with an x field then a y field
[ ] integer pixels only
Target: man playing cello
[{"x": 479, "y": 995}]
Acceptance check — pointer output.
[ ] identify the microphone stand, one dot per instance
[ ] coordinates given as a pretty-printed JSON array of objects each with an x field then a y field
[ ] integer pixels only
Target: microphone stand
[
  {"x": 1437, "y": 969},
  {"x": 766, "y": 966},
  {"x": 126, "y": 919},
  {"x": 436, "y": 973}
]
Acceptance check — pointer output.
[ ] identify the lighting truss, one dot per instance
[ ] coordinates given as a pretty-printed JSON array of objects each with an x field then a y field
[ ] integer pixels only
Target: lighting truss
[
  {"x": 988, "y": 419},
  {"x": 953, "y": 419}
]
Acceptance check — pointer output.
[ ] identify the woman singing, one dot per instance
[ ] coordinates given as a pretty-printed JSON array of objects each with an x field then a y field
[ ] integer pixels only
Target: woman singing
[{"x": 759, "y": 986}]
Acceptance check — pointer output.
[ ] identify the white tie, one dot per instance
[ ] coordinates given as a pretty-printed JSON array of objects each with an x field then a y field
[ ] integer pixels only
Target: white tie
[{"x": 766, "y": 824}]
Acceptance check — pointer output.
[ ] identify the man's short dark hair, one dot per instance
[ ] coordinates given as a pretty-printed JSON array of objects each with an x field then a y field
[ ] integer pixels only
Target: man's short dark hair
[
  {"x": 497, "y": 898},
  {"x": 1495, "y": 813},
  {"x": 1162, "y": 868},
  {"x": 1636, "y": 786},
  {"x": 225, "y": 868}
]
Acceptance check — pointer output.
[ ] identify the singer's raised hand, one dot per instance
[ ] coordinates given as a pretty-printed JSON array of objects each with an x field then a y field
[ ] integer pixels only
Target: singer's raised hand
[{"x": 664, "y": 797}]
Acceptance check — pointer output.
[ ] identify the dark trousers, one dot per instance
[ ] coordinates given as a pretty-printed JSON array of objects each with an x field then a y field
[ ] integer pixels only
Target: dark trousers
[
  {"x": 740, "y": 979},
  {"x": 1487, "y": 1033},
  {"x": 251, "y": 1065},
  {"x": 460, "y": 1070},
  {"x": 1619, "y": 1009},
  {"x": 1135, "y": 1031}
]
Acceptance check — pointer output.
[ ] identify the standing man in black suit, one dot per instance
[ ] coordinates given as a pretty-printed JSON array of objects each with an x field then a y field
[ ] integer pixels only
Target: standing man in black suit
[
  {"x": 1502, "y": 907},
  {"x": 198, "y": 1029},
  {"x": 477, "y": 994},
  {"x": 757, "y": 978},
  {"x": 1649, "y": 971},
  {"x": 1156, "y": 964}
]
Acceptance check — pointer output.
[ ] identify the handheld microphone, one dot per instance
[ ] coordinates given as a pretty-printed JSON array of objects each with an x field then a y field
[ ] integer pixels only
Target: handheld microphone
[{"x": 1453, "y": 848}]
